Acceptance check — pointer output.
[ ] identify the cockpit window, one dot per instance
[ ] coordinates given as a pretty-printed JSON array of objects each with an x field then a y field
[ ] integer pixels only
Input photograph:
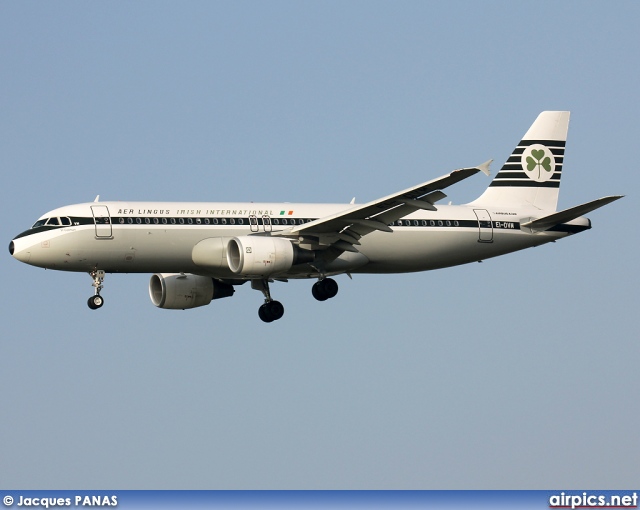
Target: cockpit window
[{"x": 64, "y": 221}]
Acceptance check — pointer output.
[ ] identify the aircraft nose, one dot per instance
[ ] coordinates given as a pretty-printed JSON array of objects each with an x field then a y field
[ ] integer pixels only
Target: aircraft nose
[{"x": 19, "y": 252}]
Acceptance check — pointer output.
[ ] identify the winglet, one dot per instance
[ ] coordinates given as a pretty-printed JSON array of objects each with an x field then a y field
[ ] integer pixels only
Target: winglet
[{"x": 484, "y": 167}]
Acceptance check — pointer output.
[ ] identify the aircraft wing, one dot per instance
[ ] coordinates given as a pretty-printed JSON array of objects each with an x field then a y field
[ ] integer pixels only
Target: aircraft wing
[{"x": 344, "y": 229}]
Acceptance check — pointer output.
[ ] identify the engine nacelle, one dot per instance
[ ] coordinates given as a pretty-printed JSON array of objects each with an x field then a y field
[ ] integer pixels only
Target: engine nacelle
[
  {"x": 264, "y": 256},
  {"x": 182, "y": 291},
  {"x": 211, "y": 253}
]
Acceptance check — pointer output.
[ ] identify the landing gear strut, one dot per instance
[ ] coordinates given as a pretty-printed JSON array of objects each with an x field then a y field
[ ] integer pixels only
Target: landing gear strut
[
  {"x": 96, "y": 301},
  {"x": 324, "y": 289},
  {"x": 271, "y": 310}
]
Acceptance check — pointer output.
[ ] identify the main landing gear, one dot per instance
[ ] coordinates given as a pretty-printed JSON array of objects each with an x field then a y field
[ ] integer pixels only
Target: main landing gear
[
  {"x": 96, "y": 301},
  {"x": 324, "y": 289},
  {"x": 271, "y": 310}
]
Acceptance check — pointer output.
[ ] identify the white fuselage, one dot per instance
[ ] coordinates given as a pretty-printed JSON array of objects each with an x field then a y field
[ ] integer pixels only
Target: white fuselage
[
  {"x": 148, "y": 237},
  {"x": 200, "y": 252}
]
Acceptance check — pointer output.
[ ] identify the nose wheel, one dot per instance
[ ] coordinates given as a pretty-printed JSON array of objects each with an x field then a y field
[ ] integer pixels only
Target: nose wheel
[{"x": 96, "y": 301}]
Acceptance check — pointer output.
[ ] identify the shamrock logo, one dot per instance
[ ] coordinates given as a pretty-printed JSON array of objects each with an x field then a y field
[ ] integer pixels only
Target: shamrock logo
[
  {"x": 535, "y": 158},
  {"x": 538, "y": 161}
]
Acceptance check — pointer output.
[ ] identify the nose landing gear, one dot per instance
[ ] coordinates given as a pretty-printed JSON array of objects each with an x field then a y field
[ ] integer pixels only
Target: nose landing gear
[{"x": 96, "y": 301}]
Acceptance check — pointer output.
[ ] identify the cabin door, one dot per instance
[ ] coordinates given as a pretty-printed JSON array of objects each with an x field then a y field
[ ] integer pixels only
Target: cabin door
[
  {"x": 485, "y": 227},
  {"x": 102, "y": 221}
]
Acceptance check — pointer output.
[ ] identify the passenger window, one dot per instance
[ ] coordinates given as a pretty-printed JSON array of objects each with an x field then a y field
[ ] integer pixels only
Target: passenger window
[
  {"x": 439, "y": 223},
  {"x": 198, "y": 221},
  {"x": 147, "y": 221},
  {"x": 121, "y": 220},
  {"x": 232, "y": 221},
  {"x": 164, "y": 221},
  {"x": 129, "y": 221},
  {"x": 173, "y": 221},
  {"x": 138, "y": 221},
  {"x": 224, "y": 221},
  {"x": 181, "y": 221},
  {"x": 240, "y": 221},
  {"x": 206, "y": 221},
  {"x": 215, "y": 221}
]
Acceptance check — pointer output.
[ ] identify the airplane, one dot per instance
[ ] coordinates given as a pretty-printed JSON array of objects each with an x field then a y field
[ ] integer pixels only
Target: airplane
[{"x": 199, "y": 252}]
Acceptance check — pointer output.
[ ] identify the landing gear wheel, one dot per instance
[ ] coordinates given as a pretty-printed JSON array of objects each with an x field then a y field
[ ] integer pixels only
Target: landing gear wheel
[
  {"x": 95, "y": 302},
  {"x": 317, "y": 292},
  {"x": 276, "y": 310},
  {"x": 264, "y": 314},
  {"x": 271, "y": 311},
  {"x": 324, "y": 289}
]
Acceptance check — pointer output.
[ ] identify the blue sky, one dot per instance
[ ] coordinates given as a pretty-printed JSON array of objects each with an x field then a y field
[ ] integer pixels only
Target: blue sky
[{"x": 521, "y": 372}]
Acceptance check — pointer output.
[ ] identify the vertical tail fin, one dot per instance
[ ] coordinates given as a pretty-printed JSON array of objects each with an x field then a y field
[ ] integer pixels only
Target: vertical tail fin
[{"x": 531, "y": 175}]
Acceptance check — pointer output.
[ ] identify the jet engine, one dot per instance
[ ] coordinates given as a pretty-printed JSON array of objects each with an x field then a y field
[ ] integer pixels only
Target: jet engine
[
  {"x": 264, "y": 256},
  {"x": 211, "y": 253},
  {"x": 182, "y": 291}
]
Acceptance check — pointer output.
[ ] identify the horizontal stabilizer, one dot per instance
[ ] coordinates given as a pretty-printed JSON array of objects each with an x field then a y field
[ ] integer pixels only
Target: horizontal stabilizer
[{"x": 572, "y": 213}]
